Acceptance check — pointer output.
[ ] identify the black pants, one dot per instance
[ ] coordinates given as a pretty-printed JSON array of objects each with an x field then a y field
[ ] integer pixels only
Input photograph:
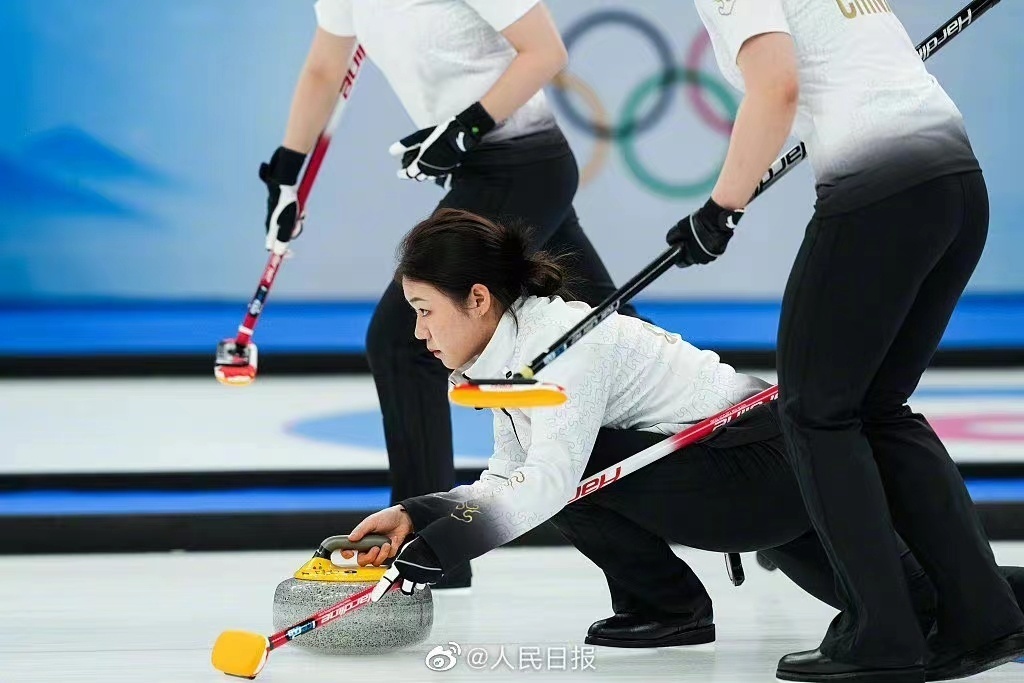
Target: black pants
[
  {"x": 532, "y": 180},
  {"x": 867, "y": 302},
  {"x": 732, "y": 493}
]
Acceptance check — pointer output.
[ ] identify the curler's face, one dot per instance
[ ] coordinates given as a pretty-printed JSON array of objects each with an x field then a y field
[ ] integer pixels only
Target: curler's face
[{"x": 455, "y": 332}]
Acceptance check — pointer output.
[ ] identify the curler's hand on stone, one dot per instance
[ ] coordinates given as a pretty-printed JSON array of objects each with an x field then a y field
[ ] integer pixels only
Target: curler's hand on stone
[{"x": 393, "y": 522}]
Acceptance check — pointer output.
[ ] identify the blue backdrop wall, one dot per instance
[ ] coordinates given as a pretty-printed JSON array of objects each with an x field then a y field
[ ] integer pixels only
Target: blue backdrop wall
[{"x": 130, "y": 211}]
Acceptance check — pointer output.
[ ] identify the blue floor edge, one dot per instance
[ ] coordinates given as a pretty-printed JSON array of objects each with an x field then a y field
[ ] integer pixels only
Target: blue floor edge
[
  {"x": 137, "y": 327},
  {"x": 282, "y": 500}
]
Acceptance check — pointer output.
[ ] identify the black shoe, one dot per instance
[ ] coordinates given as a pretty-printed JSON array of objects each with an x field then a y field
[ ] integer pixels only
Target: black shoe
[
  {"x": 637, "y": 630},
  {"x": 459, "y": 578},
  {"x": 811, "y": 665},
  {"x": 1005, "y": 649}
]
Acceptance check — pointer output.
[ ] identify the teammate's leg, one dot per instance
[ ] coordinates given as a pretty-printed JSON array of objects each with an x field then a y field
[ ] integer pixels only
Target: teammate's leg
[
  {"x": 832, "y": 337},
  {"x": 930, "y": 504},
  {"x": 805, "y": 563},
  {"x": 412, "y": 389},
  {"x": 853, "y": 285}
]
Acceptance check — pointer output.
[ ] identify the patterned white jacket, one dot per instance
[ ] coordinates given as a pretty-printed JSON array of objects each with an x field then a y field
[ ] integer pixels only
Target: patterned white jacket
[{"x": 624, "y": 374}]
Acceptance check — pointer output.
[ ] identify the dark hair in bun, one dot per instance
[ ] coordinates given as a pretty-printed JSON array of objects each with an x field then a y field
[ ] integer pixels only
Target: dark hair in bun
[{"x": 453, "y": 250}]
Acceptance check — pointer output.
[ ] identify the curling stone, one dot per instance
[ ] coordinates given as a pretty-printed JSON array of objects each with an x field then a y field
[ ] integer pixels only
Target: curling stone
[{"x": 394, "y": 622}]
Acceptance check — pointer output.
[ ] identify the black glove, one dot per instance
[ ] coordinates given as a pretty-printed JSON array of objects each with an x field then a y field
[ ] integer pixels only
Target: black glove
[
  {"x": 704, "y": 234},
  {"x": 434, "y": 152},
  {"x": 281, "y": 176},
  {"x": 409, "y": 148},
  {"x": 415, "y": 566}
]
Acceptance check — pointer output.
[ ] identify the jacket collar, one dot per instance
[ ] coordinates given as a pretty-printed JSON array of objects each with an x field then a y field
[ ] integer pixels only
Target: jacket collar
[{"x": 493, "y": 361}]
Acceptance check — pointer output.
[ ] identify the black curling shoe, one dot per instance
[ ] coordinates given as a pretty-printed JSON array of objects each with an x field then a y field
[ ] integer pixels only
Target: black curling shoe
[
  {"x": 812, "y": 665},
  {"x": 639, "y": 630},
  {"x": 963, "y": 664}
]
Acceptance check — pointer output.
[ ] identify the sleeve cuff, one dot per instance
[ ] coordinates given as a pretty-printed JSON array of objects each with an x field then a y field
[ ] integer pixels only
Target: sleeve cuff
[
  {"x": 334, "y": 17},
  {"x": 501, "y": 14},
  {"x": 424, "y": 512},
  {"x": 445, "y": 544}
]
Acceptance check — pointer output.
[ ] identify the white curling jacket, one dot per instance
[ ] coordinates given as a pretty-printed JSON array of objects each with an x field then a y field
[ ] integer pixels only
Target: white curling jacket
[{"x": 624, "y": 374}]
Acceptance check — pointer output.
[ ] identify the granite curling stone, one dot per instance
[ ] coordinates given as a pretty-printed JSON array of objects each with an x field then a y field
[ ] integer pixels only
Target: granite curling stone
[{"x": 394, "y": 622}]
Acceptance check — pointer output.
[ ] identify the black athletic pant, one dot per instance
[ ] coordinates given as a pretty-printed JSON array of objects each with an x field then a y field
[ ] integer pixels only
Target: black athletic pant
[
  {"x": 732, "y": 493},
  {"x": 867, "y": 302},
  {"x": 532, "y": 180}
]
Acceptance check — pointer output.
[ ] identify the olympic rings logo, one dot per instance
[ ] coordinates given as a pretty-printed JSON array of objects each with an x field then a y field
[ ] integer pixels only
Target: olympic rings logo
[{"x": 661, "y": 87}]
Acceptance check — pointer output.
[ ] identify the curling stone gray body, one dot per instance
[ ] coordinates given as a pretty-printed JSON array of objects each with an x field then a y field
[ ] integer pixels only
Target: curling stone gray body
[{"x": 394, "y": 622}]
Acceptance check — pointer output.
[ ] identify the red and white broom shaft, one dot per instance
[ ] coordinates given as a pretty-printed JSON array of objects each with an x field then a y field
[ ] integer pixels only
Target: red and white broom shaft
[
  {"x": 687, "y": 437},
  {"x": 325, "y": 616},
  {"x": 316, "y": 159}
]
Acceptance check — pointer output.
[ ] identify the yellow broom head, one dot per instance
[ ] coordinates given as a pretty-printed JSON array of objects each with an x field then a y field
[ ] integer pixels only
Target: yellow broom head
[
  {"x": 240, "y": 653},
  {"x": 539, "y": 395}
]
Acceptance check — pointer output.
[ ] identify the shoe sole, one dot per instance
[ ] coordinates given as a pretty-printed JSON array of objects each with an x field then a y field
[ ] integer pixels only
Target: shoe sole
[
  {"x": 1011, "y": 648},
  {"x": 698, "y": 636},
  {"x": 874, "y": 676}
]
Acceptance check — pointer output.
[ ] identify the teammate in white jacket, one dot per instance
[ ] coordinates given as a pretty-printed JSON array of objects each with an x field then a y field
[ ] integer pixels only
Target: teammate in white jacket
[
  {"x": 898, "y": 228},
  {"x": 484, "y": 307}
]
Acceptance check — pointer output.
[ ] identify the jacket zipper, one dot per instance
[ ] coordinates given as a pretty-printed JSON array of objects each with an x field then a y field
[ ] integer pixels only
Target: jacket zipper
[{"x": 514, "y": 430}]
